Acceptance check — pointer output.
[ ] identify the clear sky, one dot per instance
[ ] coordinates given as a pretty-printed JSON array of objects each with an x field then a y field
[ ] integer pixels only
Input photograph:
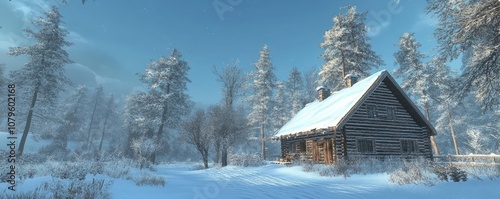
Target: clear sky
[{"x": 115, "y": 39}]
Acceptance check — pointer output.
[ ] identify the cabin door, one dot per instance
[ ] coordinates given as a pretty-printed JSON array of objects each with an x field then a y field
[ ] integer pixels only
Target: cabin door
[{"x": 330, "y": 151}]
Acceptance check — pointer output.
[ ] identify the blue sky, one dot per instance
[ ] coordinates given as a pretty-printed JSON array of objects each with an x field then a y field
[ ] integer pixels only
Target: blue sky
[{"x": 114, "y": 40}]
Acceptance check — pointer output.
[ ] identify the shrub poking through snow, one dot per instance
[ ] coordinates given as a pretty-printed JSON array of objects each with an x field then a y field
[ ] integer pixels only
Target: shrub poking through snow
[
  {"x": 78, "y": 189},
  {"x": 445, "y": 173},
  {"x": 308, "y": 167},
  {"x": 457, "y": 174},
  {"x": 150, "y": 179},
  {"x": 341, "y": 168},
  {"x": 413, "y": 172},
  {"x": 246, "y": 160},
  {"x": 62, "y": 189}
]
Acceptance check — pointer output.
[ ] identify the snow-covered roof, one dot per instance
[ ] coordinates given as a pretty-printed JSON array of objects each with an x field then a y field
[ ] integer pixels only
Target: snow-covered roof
[{"x": 331, "y": 111}]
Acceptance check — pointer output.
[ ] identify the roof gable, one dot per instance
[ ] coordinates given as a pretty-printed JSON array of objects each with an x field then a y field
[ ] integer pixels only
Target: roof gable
[{"x": 336, "y": 110}]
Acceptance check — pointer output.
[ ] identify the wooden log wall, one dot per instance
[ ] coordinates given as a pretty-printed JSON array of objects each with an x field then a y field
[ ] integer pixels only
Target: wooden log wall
[{"x": 387, "y": 134}]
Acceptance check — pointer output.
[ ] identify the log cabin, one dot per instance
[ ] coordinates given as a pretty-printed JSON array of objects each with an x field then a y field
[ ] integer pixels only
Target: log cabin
[{"x": 372, "y": 117}]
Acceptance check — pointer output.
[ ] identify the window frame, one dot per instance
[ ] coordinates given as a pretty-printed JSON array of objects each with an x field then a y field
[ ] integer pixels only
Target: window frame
[
  {"x": 362, "y": 145},
  {"x": 409, "y": 146},
  {"x": 372, "y": 111},
  {"x": 391, "y": 111}
]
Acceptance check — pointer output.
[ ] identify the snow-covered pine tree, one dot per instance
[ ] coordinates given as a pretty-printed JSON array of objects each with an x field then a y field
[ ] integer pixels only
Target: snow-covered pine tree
[
  {"x": 411, "y": 68},
  {"x": 166, "y": 80},
  {"x": 71, "y": 122},
  {"x": 44, "y": 72},
  {"x": 263, "y": 85},
  {"x": 96, "y": 108},
  {"x": 312, "y": 81},
  {"x": 347, "y": 49},
  {"x": 109, "y": 116},
  {"x": 295, "y": 91},
  {"x": 416, "y": 77},
  {"x": 470, "y": 28},
  {"x": 281, "y": 107},
  {"x": 137, "y": 119}
]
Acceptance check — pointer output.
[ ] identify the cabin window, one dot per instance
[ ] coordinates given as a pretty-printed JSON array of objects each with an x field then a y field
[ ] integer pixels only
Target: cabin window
[
  {"x": 302, "y": 146},
  {"x": 408, "y": 146},
  {"x": 391, "y": 113},
  {"x": 372, "y": 111},
  {"x": 366, "y": 145},
  {"x": 291, "y": 147}
]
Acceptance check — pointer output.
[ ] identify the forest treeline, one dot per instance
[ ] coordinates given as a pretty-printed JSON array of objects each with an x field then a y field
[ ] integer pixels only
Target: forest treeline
[{"x": 162, "y": 123}]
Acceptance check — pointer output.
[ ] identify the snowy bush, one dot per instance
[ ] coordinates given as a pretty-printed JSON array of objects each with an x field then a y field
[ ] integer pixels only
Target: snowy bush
[
  {"x": 341, "y": 168},
  {"x": 150, "y": 179},
  {"x": 66, "y": 170},
  {"x": 62, "y": 189},
  {"x": 457, "y": 174},
  {"x": 119, "y": 168},
  {"x": 36, "y": 194},
  {"x": 445, "y": 173},
  {"x": 375, "y": 165},
  {"x": 246, "y": 160},
  {"x": 78, "y": 189},
  {"x": 416, "y": 171},
  {"x": 309, "y": 167},
  {"x": 29, "y": 158}
]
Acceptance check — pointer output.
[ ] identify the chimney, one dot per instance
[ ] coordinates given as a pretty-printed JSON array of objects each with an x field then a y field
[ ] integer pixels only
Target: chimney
[
  {"x": 323, "y": 93},
  {"x": 350, "y": 80}
]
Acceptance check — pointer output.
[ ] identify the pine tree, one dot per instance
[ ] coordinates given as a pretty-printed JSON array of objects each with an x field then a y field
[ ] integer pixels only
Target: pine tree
[
  {"x": 44, "y": 72},
  {"x": 416, "y": 76},
  {"x": 263, "y": 85},
  {"x": 96, "y": 113},
  {"x": 72, "y": 119},
  {"x": 411, "y": 68},
  {"x": 281, "y": 108},
  {"x": 295, "y": 91},
  {"x": 347, "y": 49},
  {"x": 312, "y": 81},
  {"x": 470, "y": 28},
  {"x": 109, "y": 113},
  {"x": 167, "y": 80}
]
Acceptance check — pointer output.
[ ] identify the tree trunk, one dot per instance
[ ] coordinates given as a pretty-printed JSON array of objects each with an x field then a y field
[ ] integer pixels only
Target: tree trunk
[
  {"x": 103, "y": 129},
  {"x": 263, "y": 141},
  {"x": 224, "y": 155},
  {"x": 205, "y": 158},
  {"x": 452, "y": 130},
  {"x": 28, "y": 123},
  {"x": 90, "y": 125},
  {"x": 343, "y": 67},
  {"x": 433, "y": 141},
  {"x": 217, "y": 150}
]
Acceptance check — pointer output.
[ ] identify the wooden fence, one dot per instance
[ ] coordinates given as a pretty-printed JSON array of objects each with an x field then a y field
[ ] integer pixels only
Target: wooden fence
[{"x": 473, "y": 160}]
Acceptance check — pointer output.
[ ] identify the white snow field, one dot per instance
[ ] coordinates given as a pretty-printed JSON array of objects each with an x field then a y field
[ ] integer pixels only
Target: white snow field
[
  {"x": 278, "y": 181},
  {"x": 270, "y": 181}
]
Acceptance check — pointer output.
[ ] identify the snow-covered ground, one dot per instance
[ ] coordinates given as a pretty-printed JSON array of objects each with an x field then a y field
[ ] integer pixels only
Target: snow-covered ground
[
  {"x": 270, "y": 181},
  {"x": 277, "y": 181}
]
